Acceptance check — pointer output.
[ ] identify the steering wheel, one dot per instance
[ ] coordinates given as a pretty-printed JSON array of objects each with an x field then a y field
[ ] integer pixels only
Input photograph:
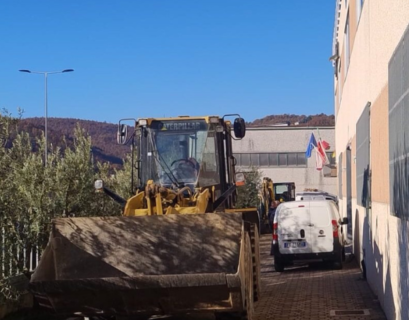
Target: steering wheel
[{"x": 185, "y": 161}]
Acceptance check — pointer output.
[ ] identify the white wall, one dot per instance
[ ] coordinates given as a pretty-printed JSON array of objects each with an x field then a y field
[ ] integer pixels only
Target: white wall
[{"x": 289, "y": 139}]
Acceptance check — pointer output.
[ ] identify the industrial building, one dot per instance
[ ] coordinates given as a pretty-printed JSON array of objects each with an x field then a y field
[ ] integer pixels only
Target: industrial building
[
  {"x": 278, "y": 152},
  {"x": 371, "y": 96}
]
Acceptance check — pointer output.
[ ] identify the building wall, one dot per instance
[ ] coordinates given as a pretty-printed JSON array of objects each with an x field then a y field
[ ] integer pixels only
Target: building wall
[
  {"x": 378, "y": 237},
  {"x": 289, "y": 139}
]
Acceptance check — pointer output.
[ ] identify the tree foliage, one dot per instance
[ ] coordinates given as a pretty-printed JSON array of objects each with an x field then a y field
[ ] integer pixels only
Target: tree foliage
[
  {"x": 32, "y": 193},
  {"x": 248, "y": 195}
]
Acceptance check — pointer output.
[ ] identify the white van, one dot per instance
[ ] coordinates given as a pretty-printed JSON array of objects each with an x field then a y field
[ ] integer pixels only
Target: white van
[
  {"x": 308, "y": 231},
  {"x": 315, "y": 195}
]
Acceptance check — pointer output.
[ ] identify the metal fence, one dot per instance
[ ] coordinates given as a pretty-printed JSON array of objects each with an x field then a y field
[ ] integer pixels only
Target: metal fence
[
  {"x": 398, "y": 88},
  {"x": 16, "y": 258}
]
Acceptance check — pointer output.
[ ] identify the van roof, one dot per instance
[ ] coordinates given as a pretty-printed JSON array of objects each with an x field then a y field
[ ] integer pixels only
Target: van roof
[
  {"x": 299, "y": 203},
  {"x": 324, "y": 193}
]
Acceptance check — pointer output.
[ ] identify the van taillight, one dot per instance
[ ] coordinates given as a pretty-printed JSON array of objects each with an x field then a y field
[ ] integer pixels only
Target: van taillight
[
  {"x": 334, "y": 228},
  {"x": 275, "y": 237}
]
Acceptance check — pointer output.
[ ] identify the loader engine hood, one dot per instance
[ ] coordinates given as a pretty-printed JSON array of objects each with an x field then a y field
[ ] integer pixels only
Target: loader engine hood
[{"x": 179, "y": 152}]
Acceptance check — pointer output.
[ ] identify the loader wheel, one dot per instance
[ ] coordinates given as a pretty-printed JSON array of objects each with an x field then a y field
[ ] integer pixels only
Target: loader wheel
[
  {"x": 249, "y": 288},
  {"x": 255, "y": 250}
]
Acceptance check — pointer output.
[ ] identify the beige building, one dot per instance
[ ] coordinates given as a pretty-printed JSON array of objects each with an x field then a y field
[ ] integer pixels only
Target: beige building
[{"x": 371, "y": 86}]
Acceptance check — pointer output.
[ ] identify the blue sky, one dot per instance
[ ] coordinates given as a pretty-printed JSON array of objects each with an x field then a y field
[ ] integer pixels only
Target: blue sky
[{"x": 154, "y": 58}]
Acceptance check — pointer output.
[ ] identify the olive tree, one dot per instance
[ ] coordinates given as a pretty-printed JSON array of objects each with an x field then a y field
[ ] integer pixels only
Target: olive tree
[
  {"x": 32, "y": 193},
  {"x": 248, "y": 194}
]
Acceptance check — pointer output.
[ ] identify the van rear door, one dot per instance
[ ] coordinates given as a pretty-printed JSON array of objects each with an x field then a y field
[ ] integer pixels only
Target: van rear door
[
  {"x": 321, "y": 230},
  {"x": 293, "y": 228}
]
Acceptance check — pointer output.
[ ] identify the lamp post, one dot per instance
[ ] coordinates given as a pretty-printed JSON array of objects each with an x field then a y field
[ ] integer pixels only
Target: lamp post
[{"x": 46, "y": 73}]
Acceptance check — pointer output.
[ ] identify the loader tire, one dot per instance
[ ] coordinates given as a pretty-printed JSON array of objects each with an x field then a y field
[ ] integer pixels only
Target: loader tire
[
  {"x": 248, "y": 314},
  {"x": 255, "y": 250}
]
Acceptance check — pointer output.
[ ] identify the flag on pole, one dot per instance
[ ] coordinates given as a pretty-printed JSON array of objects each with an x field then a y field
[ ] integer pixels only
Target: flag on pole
[
  {"x": 319, "y": 161},
  {"x": 322, "y": 145},
  {"x": 312, "y": 144}
]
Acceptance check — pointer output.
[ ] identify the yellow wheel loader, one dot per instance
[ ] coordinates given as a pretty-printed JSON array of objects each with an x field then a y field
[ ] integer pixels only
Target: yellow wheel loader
[
  {"x": 180, "y": 247},
  {"x": 269, "y": 192},
  {"x": 266, "y": 197}
]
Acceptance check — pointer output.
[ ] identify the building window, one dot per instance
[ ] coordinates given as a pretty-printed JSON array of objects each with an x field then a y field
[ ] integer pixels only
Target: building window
[
  {"x": 346, "y": 45},
  {"x": 359, "y": 4},
  {"x": 292, "y": 159},
  {"x": 254, "y": 159},
  {"x": 331, "y": 158},
  {"x": 282, "y": 159},
  {"x": 244, "y": 159},
  {"x": 264, "y": 159},
  {"x": 273, "y": 159},
  {"x": 339, "y": 91},
  {"x": 301, "y": 159}
]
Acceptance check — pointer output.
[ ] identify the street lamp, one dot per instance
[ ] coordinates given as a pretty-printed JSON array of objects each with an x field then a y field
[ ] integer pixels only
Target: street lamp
[{"x": 46, "y": 73}]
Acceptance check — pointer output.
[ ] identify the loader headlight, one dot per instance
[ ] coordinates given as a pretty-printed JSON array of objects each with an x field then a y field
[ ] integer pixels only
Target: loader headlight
[
  {"x": 98, "y": 185},
  {"x": 142, "y": 122}
]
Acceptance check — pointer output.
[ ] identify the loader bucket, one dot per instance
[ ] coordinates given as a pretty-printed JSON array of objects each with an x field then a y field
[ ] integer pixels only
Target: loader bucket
[{"x": 142, "y": 265}]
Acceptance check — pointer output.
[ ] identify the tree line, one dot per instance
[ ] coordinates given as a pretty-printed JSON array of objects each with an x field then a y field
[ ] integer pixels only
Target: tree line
[{"x": 32, "y": 193}]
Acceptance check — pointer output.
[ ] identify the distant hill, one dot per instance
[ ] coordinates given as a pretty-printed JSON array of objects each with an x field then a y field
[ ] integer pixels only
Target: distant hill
[
  {"x": 103, "y": 135},
  {"x": 318, "y": 120}
]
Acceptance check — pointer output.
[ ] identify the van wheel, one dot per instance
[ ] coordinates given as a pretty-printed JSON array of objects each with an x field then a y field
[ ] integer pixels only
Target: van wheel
[
  {"x": 337, "y": 264},
  {"x": 278, "y": 264}
]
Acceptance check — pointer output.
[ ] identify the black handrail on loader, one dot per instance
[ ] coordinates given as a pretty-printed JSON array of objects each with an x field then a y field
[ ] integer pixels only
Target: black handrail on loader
[{"x": 114, "y": 196}]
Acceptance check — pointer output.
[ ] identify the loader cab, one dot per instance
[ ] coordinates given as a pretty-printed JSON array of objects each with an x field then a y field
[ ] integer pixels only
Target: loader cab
[
  {"x": 284, "y": 191},
  {"x": 185, "y": 151}
]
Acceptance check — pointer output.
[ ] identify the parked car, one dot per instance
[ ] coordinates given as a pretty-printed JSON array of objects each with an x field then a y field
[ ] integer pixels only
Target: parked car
[{"x": 308, "y": 230}]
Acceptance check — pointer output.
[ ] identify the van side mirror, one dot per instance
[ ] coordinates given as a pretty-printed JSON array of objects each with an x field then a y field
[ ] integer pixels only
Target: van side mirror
[
  {"x": 345, "y": 221},
  {"x": 239, "y": 128},
  {"x": 122, "y": 134}
]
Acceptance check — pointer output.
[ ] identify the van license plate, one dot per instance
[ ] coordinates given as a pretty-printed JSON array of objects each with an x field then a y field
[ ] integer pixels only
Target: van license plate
[{"x": 295, "y": 244}]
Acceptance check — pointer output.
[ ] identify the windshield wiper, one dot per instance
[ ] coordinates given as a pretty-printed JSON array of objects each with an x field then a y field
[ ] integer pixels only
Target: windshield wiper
[{"x": 159, "y": 159}]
